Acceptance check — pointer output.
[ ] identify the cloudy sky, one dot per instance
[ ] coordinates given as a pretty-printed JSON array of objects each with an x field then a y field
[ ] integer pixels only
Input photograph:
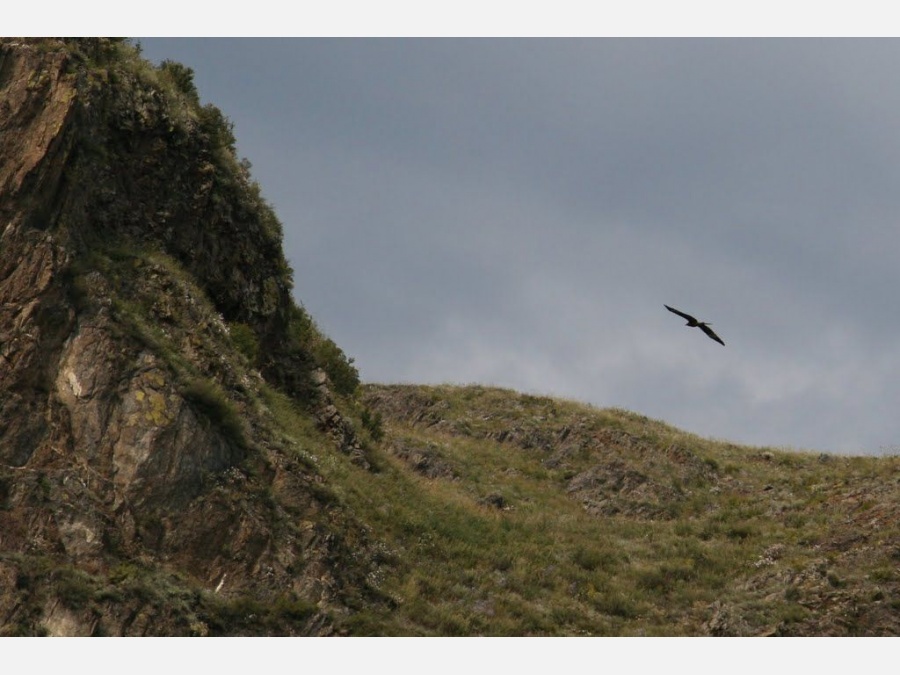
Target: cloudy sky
[{"x": 516, "y": 212}]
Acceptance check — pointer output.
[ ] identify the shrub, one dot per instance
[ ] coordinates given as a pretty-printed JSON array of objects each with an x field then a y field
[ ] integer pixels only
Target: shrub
[
  {"x": 244, "y": 338},
  {"x": 74, "y": 587},
  {"x": 217, "y": 128},
  {"x": 209, "y": 400},
  {"x": 293, "y": 609},
  {"x": 327, "y": 355},
  {"x": 740, "y": 531},
  {"x": 590, "y": 559},
  {"x": 373, "y": 424},
  {"x": 616, "y": 604},
  {"x": 182, "y": 77},
  {"x": 344, "y": 375},
  {"x": 97, "y": 50}
]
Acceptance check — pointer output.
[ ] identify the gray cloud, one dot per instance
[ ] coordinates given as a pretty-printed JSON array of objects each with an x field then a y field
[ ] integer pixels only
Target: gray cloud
[{"x": 516, "y": 212}]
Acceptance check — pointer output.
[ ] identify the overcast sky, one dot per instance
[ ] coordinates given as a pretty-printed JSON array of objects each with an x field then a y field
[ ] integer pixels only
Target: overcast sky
[{"x": 516, "y": 213}]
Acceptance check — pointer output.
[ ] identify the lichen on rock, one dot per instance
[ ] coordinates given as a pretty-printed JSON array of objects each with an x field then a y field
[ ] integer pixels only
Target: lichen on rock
[{"x": 132, "y": 432}]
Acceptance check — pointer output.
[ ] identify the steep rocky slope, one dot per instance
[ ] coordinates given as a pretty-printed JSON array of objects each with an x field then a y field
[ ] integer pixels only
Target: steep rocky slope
[{"x": 145, "y": 314}]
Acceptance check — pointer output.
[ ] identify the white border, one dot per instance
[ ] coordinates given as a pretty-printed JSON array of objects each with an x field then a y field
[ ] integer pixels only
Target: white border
[{"x": 480, "y": 18}]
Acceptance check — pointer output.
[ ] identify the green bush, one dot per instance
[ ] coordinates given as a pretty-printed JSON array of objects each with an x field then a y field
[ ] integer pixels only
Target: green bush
[
  {"x": 293, "y": 609},
  {"x": 591, "y": 559},
  {"x": 210, "y": 401},
  {"x": 182, "y": 77},
  {"x": 74, "y": 587},
  {"x": 98, "y": 50},
  {"x": 373, "y": 424},
  {"x": 327, "y": 355},
  {"x": 244, "y": 338},
  {"x": 217, "y": 128}
]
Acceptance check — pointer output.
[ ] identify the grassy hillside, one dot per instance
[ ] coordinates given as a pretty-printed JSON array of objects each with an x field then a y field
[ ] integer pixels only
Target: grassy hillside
[{"x": 507, "y": 514}]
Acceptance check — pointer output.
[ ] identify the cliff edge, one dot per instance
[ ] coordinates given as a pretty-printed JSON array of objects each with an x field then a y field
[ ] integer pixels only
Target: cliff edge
[{"x": 145, "y": 319}]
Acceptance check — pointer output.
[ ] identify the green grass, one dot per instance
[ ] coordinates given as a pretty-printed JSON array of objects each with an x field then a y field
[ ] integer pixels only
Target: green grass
[
  {"x": 209, "y": 399},
  {"x": 765, "y": 538},
  {"x": 245, "y": 341},
  {"x": 544, "y": 565}
]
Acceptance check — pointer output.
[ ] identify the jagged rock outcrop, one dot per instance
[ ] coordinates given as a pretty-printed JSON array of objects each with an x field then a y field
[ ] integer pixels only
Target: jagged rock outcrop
[
  {"x": 143, "y": 486},
  {"x": 332, "y": 421}
]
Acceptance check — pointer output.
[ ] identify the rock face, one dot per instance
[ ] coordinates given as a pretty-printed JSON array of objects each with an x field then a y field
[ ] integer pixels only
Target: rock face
[{"x": 138, "y": 461}]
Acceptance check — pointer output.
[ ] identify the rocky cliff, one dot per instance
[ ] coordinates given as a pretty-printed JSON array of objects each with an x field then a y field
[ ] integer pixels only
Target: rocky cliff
[{"x": 145, "y": 319}]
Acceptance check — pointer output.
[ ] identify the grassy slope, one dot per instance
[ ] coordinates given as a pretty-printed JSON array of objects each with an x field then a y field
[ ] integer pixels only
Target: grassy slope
[{"x": 506, "y": 514}]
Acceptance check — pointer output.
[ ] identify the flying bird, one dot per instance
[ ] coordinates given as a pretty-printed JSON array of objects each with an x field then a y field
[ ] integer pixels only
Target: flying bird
[{"x": 693, "y": 323}]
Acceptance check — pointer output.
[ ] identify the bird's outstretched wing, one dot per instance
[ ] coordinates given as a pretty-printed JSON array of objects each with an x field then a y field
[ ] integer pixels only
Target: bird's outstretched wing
[
  {"x": 709, "y": 331},
  {"x": 681, "y": 314}
]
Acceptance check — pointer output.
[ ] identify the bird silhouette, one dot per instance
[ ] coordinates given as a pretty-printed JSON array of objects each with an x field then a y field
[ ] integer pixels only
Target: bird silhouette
[{"x": 693, "y": 323}]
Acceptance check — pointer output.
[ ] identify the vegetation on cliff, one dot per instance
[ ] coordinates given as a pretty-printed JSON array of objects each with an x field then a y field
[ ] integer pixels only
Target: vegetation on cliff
[{"x": 145, "y": 315}]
